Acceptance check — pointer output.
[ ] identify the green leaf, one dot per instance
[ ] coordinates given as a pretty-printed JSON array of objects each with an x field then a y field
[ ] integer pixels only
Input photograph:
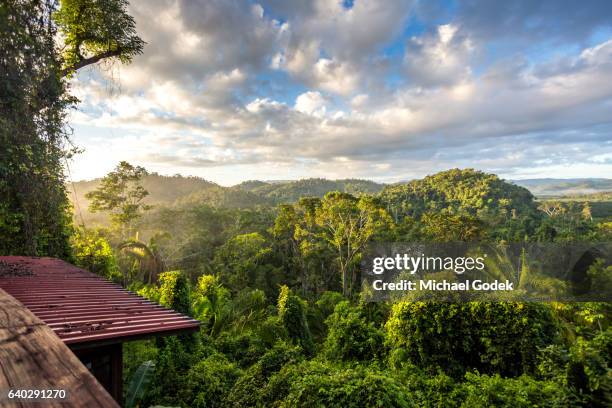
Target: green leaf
[{"x": 139, "y": 383}]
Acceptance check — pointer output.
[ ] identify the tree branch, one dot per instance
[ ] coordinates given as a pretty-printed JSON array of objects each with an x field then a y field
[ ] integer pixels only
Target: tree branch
[{"x": 91, "y": 60}]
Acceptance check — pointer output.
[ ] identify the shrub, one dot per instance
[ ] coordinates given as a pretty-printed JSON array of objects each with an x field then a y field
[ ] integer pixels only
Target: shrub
[
  {"x": 292, "y": 312},
  {"x": 492, "y": 337},
  {"x": 430, "y": 391},
  {"x": 243, "y": 348},
  {"x": 524, "y": 391},
  {"x": 327, "y": 302},
  {"x": 92, "y": 251},
  {"x": 272, "y": 330},
  {"x": 583, "y": 368},
  {"x": 171, "y": 366},
  {"x": 174, "y": 291},
  {"x": 351, "y": 337},
  {"x": 210, "y": 381},
  {"x": 247, "y": 390},
  {"x": 476, "y": 390},
  {"x": 319, "y": 384}
]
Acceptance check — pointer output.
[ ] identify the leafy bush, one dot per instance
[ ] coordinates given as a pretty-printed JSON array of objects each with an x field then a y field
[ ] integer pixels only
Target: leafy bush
[
  {"x": 150, "y": 292},
  {"x": 429, "y": 391},
  {"x": 174, "y": 291},
  {"x": 171, "y": 367},
  {"x": 272, "y": 330},
  {"x": 92, "y": 251},
  {"x": 319, "y": 384},
  {"x": 492, "y": 337},
  {"x": 475, "y": 390},
  {"x": 524, "y": 391},
  {"x": 583, "y": 368},
  {"x": 589, "y": 371},
  {"x": 247, "y": 390},
  {"x": 327, "y": 302},
  {"x": 209, "y": 382},
  {"x": 292, "y": 312},
  {"x": 351, "y": 337},
  {"x": 243, "y": 348}
]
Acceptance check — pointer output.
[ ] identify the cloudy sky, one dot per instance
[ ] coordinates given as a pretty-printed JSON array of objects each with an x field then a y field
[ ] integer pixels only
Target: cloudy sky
[{"x": 389, "y": 90}]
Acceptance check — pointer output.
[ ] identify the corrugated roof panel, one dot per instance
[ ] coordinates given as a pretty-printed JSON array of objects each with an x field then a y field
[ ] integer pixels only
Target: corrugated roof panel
[{"x": 82, "y": 307}]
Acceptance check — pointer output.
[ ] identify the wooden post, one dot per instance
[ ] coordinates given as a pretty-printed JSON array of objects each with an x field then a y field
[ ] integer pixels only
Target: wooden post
[{"x": 117, "y": 373}]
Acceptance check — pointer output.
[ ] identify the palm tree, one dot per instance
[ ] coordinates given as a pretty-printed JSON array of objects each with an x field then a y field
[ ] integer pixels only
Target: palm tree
[
  {"x": 147, "y": 257},
  {"x": 524, "y": 270}
]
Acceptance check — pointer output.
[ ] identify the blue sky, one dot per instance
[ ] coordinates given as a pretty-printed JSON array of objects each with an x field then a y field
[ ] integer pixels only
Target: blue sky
[{"x": 233, "y": 90}]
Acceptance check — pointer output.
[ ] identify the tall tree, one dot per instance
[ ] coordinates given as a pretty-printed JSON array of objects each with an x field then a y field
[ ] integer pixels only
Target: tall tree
[
  {"x": 348, "y": 224},
  {"x": 121, "y": 193}
]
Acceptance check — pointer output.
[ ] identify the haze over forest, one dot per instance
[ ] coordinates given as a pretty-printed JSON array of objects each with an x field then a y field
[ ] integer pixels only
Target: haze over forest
[{"x": 180, "y": 190}]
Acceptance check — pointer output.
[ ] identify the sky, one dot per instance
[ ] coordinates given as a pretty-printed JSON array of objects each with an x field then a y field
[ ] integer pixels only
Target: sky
[{"x": 387, "y": 90}]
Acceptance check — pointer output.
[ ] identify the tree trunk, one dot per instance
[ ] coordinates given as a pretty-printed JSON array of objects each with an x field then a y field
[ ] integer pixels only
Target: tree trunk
[{"x": 345, "y": 281}]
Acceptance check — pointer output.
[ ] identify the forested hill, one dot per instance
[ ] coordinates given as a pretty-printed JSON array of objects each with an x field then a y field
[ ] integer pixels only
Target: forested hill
[
  {"x": 456, "y": 191},
  {"x": 291, "y": 191},
  {"x": 460, "y": 189},
  {"x": 180, "y": 190},
  {"x": 162, "y": 189}
]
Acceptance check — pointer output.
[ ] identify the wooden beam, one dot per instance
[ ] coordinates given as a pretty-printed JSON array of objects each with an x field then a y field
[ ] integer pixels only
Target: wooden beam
[{"x": 32, "y": 356}]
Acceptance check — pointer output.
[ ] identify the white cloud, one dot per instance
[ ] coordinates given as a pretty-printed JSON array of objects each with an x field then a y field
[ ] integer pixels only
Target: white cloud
[
  {"x": 311, "y": 103},
  {"x": 442, "y": 58}
]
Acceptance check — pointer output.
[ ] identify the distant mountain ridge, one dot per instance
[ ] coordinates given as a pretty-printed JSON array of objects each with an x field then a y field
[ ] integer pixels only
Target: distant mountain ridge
[
  {"x": 291, "y": 191},
  {"x": 187, "y": 191},
  {"x": 565, "y": 187}
]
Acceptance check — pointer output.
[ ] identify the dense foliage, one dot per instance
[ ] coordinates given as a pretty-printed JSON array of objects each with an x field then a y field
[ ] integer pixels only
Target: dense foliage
[
  {"x": 458, "y": 191},
  {"x": 291, "y": 191},
  {"x": 283, "y": 321},
  {"x": 34, "y": 209},
  {"x": 425, "y": 334},
  {"x": 42, "y": 42},
  {"x": 266, "y": 283}
]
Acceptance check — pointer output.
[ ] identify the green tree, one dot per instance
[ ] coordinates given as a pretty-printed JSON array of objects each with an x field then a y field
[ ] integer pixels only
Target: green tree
[
  {"x": 245, "y": 261},
  {"x": 347, "y": 225},
  {"x": 148, "y": 257},
  {"x": 442, "y": 227},
  {"x": 92, "y": 251},
  {"x": 96, "y": 30},
  {"x": 351, "y": 336},
  {"x": 492, "y": 337},
  {"x": 209, "y": 382},
  {"x": 121, "y": 193},
  {"x": 307, "y": 256}
]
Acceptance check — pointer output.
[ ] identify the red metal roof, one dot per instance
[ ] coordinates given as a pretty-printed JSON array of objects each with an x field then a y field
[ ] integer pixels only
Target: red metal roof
[{"x": 82, "y": 307}]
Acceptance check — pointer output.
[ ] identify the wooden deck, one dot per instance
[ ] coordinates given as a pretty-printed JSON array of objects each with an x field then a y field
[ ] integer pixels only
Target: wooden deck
[{"x": 32, "y": 356}]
